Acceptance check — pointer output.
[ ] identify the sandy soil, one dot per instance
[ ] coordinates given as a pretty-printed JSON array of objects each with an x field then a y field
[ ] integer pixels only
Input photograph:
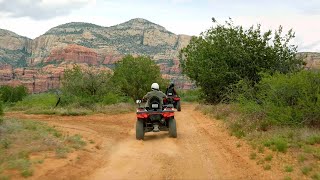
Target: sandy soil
[{"x": 203, "y": 150}]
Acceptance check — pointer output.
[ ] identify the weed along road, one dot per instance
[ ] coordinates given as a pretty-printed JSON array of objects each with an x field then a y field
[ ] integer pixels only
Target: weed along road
[{"x": 203, "y": 150}]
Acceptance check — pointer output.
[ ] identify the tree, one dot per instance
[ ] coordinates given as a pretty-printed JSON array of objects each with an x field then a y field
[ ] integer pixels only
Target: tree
[
  {"x": 225, "y": 54},
  {"x": 89, "y": 83},
  {"x": 134, "y": 76}
]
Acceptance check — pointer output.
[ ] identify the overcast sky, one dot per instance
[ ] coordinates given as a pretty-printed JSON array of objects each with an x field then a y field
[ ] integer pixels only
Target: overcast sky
[{"x": 32, "y": 18}]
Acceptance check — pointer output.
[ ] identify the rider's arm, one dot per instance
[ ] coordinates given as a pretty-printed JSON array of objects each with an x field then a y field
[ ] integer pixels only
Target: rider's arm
[{"x": 145, "y": 97}]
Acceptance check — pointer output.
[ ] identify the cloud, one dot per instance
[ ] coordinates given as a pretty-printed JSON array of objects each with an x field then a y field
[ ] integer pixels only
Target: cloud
[{"x": 40, "y": 9}]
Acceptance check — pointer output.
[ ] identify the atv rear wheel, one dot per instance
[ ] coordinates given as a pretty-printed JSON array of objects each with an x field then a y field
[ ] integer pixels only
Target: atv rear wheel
[
  {"x": 172, "y": 128},
  {"x": 178, "y": 106},
  {"x": 139, "y": 130}
]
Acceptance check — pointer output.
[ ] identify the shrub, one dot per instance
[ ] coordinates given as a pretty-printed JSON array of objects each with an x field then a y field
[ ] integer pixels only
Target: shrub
[
  {"x": 13, "y": 94},
  {"x": 85, "y": 85},
  {"x": 292, "y": 99},
  {"x": 227, "y": 53}
]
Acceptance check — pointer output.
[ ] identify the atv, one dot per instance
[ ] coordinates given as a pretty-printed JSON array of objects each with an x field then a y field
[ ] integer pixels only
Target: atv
[
  {"x": 154, "y": 118},
  {"x": 173, "y": 99}
]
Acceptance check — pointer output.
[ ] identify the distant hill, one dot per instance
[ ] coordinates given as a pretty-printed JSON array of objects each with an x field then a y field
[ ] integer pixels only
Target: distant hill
[{"x": 90, "y": 44}]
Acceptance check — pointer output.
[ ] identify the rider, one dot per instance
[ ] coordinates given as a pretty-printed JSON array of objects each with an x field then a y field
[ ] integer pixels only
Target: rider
[
  {"x": 171, "y": 89},
  {"x": 155, "y": 92}
]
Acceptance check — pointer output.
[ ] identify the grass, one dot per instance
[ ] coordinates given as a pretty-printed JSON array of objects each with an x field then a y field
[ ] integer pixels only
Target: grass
[
  {"x": 20, "y": 138},
  {"x": 301, "y": 158},
  {"x": 301, "y": 141},
  {"x": 306, "y": 170},
  {"x": 288, "y": 168},
  {"x": 316, "y": 176},
  {"x": 268, "y": 157},
  {"x": 287, "y": 178},
  {"x": 277, "y": 144},
  {"x": 253, "y": 156},
  {"x": 45, "y": 104},
  {"x": 267, "y": 167}
]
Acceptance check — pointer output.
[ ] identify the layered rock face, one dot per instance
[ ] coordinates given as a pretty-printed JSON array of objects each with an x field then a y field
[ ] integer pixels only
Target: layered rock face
[
  {"x": 72, "y": 53},
  {"x": 14, "y": 49},
  {"x": 40, "y": 62},
  {"x": 38, "y": 80},
  {"x": 312, "y": 59}
]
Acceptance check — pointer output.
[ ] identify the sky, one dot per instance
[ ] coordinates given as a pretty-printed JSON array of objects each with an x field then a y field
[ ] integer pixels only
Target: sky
[{"x": 31, "y": 18}]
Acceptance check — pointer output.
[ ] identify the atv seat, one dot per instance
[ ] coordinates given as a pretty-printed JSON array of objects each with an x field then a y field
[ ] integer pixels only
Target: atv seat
[{"x": 155, "y": 104}]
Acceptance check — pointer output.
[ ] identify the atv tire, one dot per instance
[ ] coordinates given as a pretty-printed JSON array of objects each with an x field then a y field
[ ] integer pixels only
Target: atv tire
[
  {"x": 172, "y": 128},
  {"x": 178, "y": 106},
  {"x": 139, "y": 130}
]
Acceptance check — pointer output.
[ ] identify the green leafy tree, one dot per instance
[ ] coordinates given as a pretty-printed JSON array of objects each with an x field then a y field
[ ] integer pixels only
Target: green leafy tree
[
  {"x": 225, "y": 54},
  {"x": 87, "y": 83},
  {"x": 134, "y": 75}
]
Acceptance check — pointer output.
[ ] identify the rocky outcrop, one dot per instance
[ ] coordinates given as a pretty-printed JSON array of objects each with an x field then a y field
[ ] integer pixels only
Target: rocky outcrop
[
  {"x": 14, "y": 49},
  {"x": 73, "y": 53},
  {"x": 312, "y": 59},
  {"x": 38, "y": 79}
]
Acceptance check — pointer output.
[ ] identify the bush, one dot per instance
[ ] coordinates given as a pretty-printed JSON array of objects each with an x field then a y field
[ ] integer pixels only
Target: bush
[
  {"x": 13, "y": 94},
  {"x": 292, "y": 99},
  {"x": 226, "y": 54},
  {"x": 85, "y": 86}
]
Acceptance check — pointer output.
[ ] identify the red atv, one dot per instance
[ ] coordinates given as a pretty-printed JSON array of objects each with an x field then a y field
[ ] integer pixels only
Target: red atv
[
  {"x": 173, "y": 99},
  {"x": 155, "y": 118}
]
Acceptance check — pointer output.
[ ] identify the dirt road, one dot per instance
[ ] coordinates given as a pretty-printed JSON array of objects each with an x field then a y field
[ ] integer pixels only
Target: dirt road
[{"x": 203, "y": 150}]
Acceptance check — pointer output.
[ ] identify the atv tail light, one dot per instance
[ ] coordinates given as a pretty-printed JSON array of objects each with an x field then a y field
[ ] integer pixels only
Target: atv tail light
[
  {"x": 142, "y": 115},
  {"x": 176, "y": 99},
  {"x": 168, "y": 114}
]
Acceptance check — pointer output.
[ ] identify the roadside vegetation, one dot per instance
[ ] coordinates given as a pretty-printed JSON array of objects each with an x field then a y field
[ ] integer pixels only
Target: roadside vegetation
[
  {"x": 88, "y": 91},
  {"x": 21, "y": 139},
  {"x": 255, "y": 83}
]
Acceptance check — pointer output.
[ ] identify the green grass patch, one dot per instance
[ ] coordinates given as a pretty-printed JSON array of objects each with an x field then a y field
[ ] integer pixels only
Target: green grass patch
[
  {"x": 312, "y": 140},
  {"x": 277, "y": 144},
  {"x": 306, "y": 170},
  {"x": 288, "y": 168},
  {"x": 316, "y": 176},
  {"x": 40, "y": 101},
  {"x": 268, "y": 157},
  {"x": 20, "y": 138}
]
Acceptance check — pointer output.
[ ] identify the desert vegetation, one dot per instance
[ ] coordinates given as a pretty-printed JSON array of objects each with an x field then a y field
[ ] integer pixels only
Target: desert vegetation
[{"x": 254, "y": 81}]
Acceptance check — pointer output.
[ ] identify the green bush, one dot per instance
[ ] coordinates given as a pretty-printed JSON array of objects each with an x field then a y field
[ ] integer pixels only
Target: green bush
[
  {"x": 13, "y": 94},
  {"x": 228, "y": 53},
  {"x": 292, "y": 99},
  {"x": 85, "y": 86}
]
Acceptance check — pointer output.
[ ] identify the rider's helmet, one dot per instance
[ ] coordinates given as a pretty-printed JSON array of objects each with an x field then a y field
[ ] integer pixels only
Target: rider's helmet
[
  {"x": 155, "y": 86},
  {"x": 172, "y": 84}
]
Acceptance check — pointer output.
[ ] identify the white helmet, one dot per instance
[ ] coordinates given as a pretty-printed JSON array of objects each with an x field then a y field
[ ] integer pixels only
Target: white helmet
[{"x": 155, "y": 86}]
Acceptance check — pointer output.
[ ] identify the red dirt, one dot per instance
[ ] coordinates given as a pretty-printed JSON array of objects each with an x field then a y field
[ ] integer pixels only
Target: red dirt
[{"x": 203, "y": 150}]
